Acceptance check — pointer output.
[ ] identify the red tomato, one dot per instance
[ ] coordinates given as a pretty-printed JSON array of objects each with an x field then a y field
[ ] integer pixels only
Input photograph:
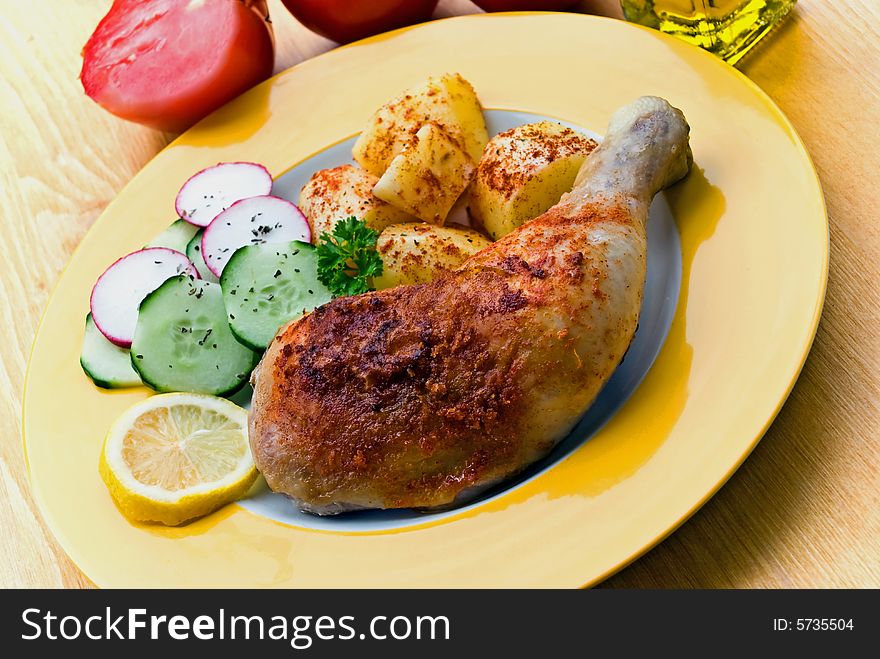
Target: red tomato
[
  {"x": 525, "y": 5},
  {"x": 350, "y": 20},
  {"x": 168, "y": 63}
]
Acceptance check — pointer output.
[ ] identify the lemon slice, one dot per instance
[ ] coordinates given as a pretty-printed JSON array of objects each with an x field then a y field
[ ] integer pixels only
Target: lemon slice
[{"x": 174, "y": 457}]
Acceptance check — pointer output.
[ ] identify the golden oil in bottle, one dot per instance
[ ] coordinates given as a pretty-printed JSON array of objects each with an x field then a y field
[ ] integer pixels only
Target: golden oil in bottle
[{"x": 728, "y": 28}]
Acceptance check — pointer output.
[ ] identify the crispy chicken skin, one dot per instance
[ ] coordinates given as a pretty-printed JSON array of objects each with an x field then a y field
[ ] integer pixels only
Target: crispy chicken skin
[{"x": 418, "y": 396}]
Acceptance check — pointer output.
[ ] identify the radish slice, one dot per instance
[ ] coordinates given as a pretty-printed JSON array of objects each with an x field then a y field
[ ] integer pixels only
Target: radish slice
[
  {"x": 210, "y": 192},
  {"x": 252, "y": 221},
  {"x": 119, "y": 291}
]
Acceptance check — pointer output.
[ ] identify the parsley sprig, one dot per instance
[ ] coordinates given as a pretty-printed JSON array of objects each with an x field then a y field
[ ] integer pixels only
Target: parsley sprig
[{"x": 347, "y": 258}]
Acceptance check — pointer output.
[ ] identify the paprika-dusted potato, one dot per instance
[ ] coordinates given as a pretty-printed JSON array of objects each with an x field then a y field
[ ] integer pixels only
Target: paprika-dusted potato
[
  {"x": 416, "y": 253},
  {"x": 332, "y": 195},
  {"x": 428, "y": 176},
  {"x": 523, "y": 172},
  {"x": 448, "y": 101}
]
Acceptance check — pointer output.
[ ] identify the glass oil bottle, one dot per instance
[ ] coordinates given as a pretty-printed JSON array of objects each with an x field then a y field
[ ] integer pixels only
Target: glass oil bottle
[{"x": 728, "y": 28}]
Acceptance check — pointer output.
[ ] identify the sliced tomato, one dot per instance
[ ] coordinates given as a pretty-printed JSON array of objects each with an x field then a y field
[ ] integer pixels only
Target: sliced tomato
[
  {"x": 168, "y": 63},
  {"x": 350, "y": 20}
]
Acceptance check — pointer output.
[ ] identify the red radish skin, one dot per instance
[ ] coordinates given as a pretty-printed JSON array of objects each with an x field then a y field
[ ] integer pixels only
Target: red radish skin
[
  {"x": 252, "y": 221},
  {"x": 120, "y": 289},
  {"x": 169, "y": 63},
  {"x": 211, "y": 191}
]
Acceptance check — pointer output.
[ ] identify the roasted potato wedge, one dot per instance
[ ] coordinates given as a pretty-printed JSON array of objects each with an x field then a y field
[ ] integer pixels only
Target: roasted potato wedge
[
  {"x": 428, "y": 176},
  {"x": 448, "y": 101},
  {"x": 334, "y": 194},
  {"x": 416, "y": 253},
  {"x": 523, "y": 172}
]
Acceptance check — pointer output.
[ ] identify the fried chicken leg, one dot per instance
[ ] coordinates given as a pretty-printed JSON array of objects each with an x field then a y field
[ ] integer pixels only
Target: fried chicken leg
[{"x": 418, "y": 396}]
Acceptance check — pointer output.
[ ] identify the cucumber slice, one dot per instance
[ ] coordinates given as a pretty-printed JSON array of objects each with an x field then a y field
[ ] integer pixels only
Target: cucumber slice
[
  {"x": 194, "y": 254},
  {"x": 182, "y": 340},
  {"x": 177, "y": 236},
  {"x": 108, "y": 365},
  {"x": 265, "y": 286}
]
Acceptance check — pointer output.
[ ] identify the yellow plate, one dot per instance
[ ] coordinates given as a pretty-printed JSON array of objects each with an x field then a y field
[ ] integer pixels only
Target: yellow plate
[{"x": 754, "y": 241}]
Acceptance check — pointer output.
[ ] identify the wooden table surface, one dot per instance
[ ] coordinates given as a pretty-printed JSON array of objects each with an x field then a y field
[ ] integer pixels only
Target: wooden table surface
[{"x": 804, "y": 510}]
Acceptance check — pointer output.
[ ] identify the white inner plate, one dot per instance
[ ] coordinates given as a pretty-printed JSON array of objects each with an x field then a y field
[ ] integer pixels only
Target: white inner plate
[{"x": 658, "y": 307}]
